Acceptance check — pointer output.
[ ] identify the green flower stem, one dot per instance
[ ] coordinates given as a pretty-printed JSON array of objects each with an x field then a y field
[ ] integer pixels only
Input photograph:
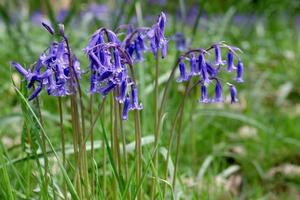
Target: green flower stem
[
  {"x": 156, "y": 133},
  {"x": 62, "y": 134}
]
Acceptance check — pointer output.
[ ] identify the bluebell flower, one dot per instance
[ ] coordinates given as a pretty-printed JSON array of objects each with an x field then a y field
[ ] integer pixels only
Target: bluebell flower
[
  {"x": 164, "y": 49},
  {"x": 182, "y": 69},
  {"x": 104, "y": 75},
  {"x": 52, "y": 71},
  {"x": 193, "y": 64},
  {"x": 162, "y": 21},
  {"x": 117, "y": 60},
  {"x": 205, "y": 74},
  {"x": 131, "y": 48},
  {"x": 126, "y": 108},
  {"x": 202, "y": 66},
  {"x": 218, "y": 92},
  {"x": 156, "y": 36},
  {"x": 201, "y": 61},
  {"x": 138, "y": 51},
  {"x": 36, "y": 92},
  {"x": 30, "y": 77},
  {"x": 230, "y": 65},
  {"x": 107, "y": 88},
  {"x": 218, "y": 55},
  {"x": 123, "y": 91},
  {"x": 211, "y": 70},
  {"x": 135, "y": 105},
  {"x": 233, "y": 93},
  {"x": 140, "y": 42},
  {"x": 136, "y": 39},
  {"x": 239, "y": 72},
  {"x": 20, "y": 69},
  {"x": 204, "y": 95},
  {"x": 109, "y": 61}
]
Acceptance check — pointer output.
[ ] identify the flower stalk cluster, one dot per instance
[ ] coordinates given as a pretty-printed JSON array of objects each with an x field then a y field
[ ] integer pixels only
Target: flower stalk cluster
[{"x": 111, "y": 69}]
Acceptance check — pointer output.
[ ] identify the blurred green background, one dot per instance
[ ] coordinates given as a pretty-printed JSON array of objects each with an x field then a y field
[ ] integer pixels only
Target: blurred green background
[{"x": 252, "y": 148}]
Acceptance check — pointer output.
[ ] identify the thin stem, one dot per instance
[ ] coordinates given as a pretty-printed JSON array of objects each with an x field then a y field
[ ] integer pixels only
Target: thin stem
[
  {"x": 169, "y": 81},
  {"x": 78, "y": 142},
  {"x": 92, "y": 143},
  {"x": 114, "y": 182},
  {"x": 177, "y": 147},
  {"x": 156, "y": 133},
  {"x": 156, "y": 97},
  {"x": 62, "y": 134},
  {"x": 138, "y": 149},
  {"x": 44, "y": 147},
  {"x": 171, "y": 137},
  {"x": 138, "y": 135},
  {"x": 101, "y": 110},
  {"x": 75, "y": 121},
  {"x": 116, "y": 128},
  {"x": 103, "y": 152},
  {"x": 123, "y": 144},
  {"x": 192, "y": 145}
]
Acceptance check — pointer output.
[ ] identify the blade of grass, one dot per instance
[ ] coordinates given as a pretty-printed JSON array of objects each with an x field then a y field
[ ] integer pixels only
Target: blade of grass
[
  {"x": 68, "y": 181},
  {"x": 235, "y": 116},
  {"x": 208, "y": 160},
  {"x": 7, "y": 192}
]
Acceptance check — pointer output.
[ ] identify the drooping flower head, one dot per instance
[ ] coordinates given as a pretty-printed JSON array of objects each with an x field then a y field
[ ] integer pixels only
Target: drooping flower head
[
  {"x": 134, "y": 43},
  {"x": 193, "y": 64},
  {"x": 52, "y": 70},
  {"x": 110, "y": 59},
  {"x": 239, "y": 72},
  {"x": 218, "y": 92},
  {"x": 182, "y": 69},
  {"x": 230, "y": 65},
  {"x": 109, "y": 63},
  {"x": 204, "y": 96},
  {"x": 207, "y": 71},
  {"x": 233, "y": 93},
  {"x": 156, "y": 36},
  {"x": 218, "y": 56},
  {"x": 140, "y": 40}
]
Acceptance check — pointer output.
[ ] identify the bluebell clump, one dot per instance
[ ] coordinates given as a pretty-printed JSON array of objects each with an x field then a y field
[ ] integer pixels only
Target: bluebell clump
[
  {"x": 109, "y": 64},
  {"x": 111, "y": 61},
  {"x": 208, "y": 72},
  {"x": 52, "y": 71}
]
